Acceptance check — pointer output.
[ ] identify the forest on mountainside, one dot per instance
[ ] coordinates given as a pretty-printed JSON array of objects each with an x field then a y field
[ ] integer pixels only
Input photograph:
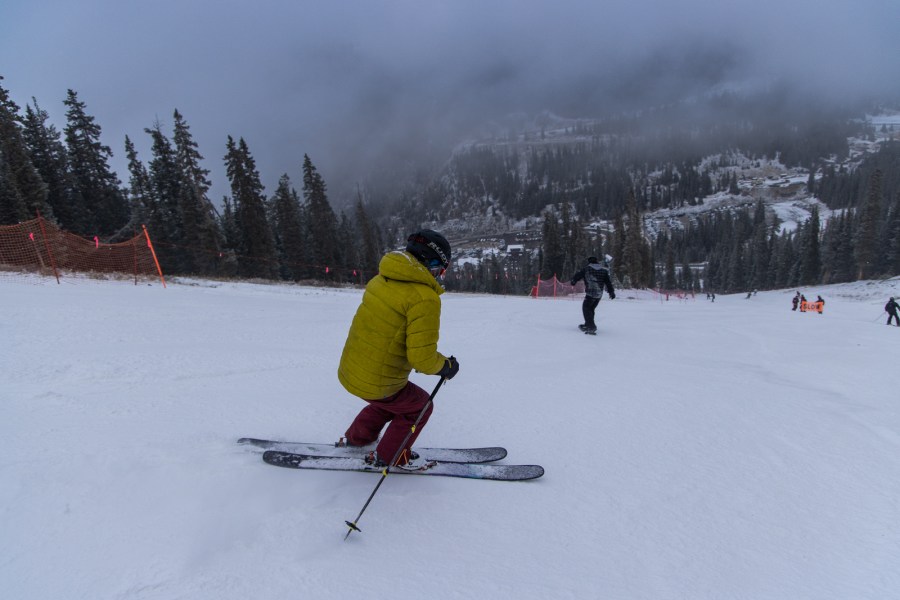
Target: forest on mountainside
[
  {"x": 615, "y": 170},
  {"x": 620, "y": 171}
]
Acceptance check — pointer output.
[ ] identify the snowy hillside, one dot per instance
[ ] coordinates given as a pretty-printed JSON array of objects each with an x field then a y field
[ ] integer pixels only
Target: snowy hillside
[
  {"x": 782, "y": 189},
  {"x": 693, "y": 449}
]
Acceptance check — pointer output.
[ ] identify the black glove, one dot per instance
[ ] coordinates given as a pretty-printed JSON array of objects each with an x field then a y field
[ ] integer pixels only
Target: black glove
[
  {"x": 612, "y": 295},
  {"x": 450, "y": 368},
  {"x": 572, "y": 282}
]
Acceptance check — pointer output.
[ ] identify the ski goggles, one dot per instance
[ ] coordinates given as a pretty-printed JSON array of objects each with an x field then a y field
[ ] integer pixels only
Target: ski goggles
[{"x": 436, "y": 267}]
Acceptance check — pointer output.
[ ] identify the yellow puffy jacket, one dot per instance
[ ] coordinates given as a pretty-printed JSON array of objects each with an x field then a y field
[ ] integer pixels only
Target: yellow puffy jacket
[{"x": 395, "y": 329}]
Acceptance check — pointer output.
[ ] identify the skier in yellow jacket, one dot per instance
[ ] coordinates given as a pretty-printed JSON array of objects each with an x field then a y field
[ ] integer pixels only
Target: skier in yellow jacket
[{"x": 395, "y": 330}]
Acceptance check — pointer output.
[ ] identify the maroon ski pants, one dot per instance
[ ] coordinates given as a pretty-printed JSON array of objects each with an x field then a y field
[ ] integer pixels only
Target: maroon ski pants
[{"x": 401, "y": 410}]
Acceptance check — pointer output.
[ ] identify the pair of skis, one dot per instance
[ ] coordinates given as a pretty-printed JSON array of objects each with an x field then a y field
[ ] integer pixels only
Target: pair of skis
[{"x": 469, "y": 463}]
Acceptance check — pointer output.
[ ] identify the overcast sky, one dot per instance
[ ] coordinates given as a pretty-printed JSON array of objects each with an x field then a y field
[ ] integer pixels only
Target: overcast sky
[{"x": 346, "y": 81}]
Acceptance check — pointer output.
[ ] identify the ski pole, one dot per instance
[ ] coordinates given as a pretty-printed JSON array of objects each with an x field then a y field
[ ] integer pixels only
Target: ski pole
[{"x": 384, "y": 473}]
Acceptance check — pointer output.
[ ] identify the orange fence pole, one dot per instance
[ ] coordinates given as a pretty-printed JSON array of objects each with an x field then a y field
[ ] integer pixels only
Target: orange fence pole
[
  {"x": 134, "y": 261},
  {"x": 153, "y": 252}
]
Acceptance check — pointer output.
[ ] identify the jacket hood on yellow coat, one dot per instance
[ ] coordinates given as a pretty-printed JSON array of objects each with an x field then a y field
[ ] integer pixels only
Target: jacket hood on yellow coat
[{"x": 395, "y": 329}]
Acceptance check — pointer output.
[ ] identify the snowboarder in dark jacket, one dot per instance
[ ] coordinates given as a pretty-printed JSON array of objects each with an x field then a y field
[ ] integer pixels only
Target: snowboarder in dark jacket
[
  {"x": 596, "y": 277},
  {"x": 891, "y": 308}
]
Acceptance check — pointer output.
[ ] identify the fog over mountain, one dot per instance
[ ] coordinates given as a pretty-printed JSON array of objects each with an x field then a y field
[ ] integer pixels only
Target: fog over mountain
[{"x": 378, "y": 86}]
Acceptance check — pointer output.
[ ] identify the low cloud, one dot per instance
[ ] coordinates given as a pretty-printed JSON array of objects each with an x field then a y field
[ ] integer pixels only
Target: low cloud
[{"x": 367, "y": 86}]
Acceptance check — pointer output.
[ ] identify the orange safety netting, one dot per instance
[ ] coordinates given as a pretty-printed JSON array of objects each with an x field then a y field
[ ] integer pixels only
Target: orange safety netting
[
  {"x": 39, "y": 246},
  {"x": 554, "y": 288}
]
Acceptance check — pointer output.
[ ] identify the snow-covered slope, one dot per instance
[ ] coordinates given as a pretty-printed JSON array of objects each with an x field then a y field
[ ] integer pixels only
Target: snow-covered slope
[{"x": 693, "y": 449}]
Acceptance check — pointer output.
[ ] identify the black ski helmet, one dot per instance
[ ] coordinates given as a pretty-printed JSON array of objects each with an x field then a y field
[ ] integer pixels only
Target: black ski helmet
[
  {"x": 428, "y": 245},
  {"x": 592, "y": 260}
]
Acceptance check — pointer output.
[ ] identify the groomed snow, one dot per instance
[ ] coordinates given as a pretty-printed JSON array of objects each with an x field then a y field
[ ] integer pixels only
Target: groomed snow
[{"x": 693, "y": 450}]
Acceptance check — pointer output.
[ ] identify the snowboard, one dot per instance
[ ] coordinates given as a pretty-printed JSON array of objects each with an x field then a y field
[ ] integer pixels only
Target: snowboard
[
  {"x": 444, "y": 455},
  {"x": 585, "y": 331},
  {"x": 435, "y": 468}
]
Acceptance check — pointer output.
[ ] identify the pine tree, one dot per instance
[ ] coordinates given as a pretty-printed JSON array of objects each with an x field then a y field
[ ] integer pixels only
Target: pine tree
[
  {"x": 772, "y": 271},
  {"x": 22, "y": 191},
  {"x": 48, "y": 154},
  {"x": 165, "y": 219},
  {"x": 139, "y": 191},
  {"x": 322, "y": 221},
  {"x": 840, "y": 262},
  {"x": 892, "y": 242},
  {"x": 98, "y": 205},
  {"x": 634, "y": 241},
  {"x": 231, "y": 235},
  {"x": 552, "y": 252},
  {"x": 348, "y": 248},
  {"x": 759, "y": 250},
  {"x": 289, "y": 229},
  {"x": 649, "y": 265},
  {"x": 618, "y": 247},
  {"x": 497, "y": 277},
  {"x": 257, "y": 256},
  {"x": 810, "y": 259},
  {"x": 712, "y": 279},
  {"x": 12, "y": 208},
  {"x": 569, "y": 240},
  {"x": 784, "y": 261},
  {"x": 370, "y": 245},
  {"x": 867, "y": 231},
  {"x": 671, "y": 280},
  {"x": 687, "y": 276},
  {"x": 200, "y": 233},
  {"x": 736, "y": 276}
]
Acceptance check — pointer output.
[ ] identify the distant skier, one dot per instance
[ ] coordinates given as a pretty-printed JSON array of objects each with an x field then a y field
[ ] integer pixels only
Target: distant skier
[
  {"x": 796, "y": 300},
  {"x": 891, "y": 308},
  {"x": 596, "y": 277}
]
